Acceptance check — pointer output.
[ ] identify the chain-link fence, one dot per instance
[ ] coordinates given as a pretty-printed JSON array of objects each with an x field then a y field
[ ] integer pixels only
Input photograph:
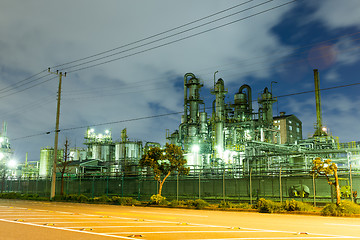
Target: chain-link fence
[{"x": 212, "y": 186}]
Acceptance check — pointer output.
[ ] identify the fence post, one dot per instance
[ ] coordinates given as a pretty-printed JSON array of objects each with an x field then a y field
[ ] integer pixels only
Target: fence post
[
  {"x": 139, "y": 187},
  {"x": 250, "y": 186},
  {"x": 280, "y": 186},
  {"x": 107, "y": 185},
  {"x": 37, "y": 183},
  {"x": 177, "y": 187},
  {"x": 314, "y": 189},
  {"x": 224, "y": 185},
  {"x": 93, "y": 187},
  {"x": 122, "y": 185},
  {"x": 351, "y": 185},
  {"x": 199, "y": 184},
  {"x": 80, "y": 184}
]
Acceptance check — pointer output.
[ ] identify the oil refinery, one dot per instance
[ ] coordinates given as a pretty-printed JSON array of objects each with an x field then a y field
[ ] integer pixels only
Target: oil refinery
[{"x": 235, "y": 136}]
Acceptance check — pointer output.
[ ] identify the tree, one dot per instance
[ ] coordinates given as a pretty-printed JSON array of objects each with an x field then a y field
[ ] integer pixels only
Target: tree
[
  {"x": 63, "y": 165},
  {"x": 327, "y": 168},
  {"x": 164, "y": 162}
]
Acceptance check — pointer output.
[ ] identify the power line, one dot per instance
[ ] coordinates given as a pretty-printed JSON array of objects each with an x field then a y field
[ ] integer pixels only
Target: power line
[
  {"x": 162, "y": 45},
  {"x": 171, "y": 42},
  {"x": 153, "y": 36},
  {"x": 168, "y": 114},
  {"x": 22, "y": 90},
  {"x": 14, "y": 85}
]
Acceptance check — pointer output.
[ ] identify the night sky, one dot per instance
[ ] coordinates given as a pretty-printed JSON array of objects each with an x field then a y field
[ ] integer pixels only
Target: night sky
[{"x": 133, "y": 65}]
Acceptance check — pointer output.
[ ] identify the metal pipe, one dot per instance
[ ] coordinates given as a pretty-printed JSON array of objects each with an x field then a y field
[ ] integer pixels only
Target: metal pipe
[
  {"x": 185, "y": 92},
  {"x": 249, "y": 98},
  {"x": 215, "y": 78}
]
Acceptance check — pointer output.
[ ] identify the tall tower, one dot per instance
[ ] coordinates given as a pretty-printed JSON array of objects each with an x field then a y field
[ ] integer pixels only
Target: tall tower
[
  {"x": 219, "y": 120},
  {"x": 319, "y": 127}
]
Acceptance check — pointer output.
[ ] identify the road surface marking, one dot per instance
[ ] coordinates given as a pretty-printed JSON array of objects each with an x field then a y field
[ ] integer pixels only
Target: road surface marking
[
  {"x": 139, "y": 214},
  {"x": 179, "y": 214},
  {"x": 66, "y": 229},
  {"x": 343, "y": 224},
  {"x": 183, "y": 232},
  {"x": 273, "y": 238},
  {"x": 127, "y": 226},
  {"x": 93, "y": 222}
]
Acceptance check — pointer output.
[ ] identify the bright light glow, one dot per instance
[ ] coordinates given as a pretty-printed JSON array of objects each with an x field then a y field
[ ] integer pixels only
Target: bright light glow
[
  {"x": 1, "y": 155},
  {"x": 226, "y": 154},
  {"x": 1, "y": 139},
  {"x": 324, "y": 129},
  {"x": 92, "y": 130},
  {"x": 107, "y": 131},
  {"x": 195, "y": 148},
  {"x": 12, "y": 163}
]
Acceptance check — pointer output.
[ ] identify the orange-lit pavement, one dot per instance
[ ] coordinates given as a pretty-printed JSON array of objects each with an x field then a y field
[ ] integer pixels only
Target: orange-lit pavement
[{"x": 43, "y": 220}]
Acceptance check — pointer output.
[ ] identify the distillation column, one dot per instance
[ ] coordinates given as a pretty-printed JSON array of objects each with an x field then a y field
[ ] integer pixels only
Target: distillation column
[
  {"x": 190, "y": 126},
  {"x": 220, "y": 118}
]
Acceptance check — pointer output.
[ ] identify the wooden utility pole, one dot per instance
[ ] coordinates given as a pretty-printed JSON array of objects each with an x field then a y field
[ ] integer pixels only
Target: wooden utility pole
[{"x": 53, "y": 178}]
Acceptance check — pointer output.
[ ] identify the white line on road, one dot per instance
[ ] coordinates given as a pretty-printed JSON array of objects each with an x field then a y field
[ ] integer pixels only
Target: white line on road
[
  {"x": 126, "y": 226},
  {"x": 108, "y": 221},
  {"x": 48, "y": 218},
  {"x": 179, "y": 214},
  {"x": 66, "y": 229},
  {"x": 230, "y": 231},
  {"x": 342, "y": 224},
  {"x": 307, "y": 237},
  {"x": 31, "y": 215}
]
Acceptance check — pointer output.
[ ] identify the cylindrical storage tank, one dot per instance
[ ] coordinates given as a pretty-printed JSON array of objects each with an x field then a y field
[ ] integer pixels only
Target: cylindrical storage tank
[
  {"x": 131, "y": 151},
  {"x": 240, "y": 105},
  {"x": 96, "y": 152},
  {"x": 105, "y": 152},
  {"x": 46, "y": 160}
]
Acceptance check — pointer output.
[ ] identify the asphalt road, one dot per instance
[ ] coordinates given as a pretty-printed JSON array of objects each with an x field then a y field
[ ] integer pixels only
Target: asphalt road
[{"x": 43, "y": 220}]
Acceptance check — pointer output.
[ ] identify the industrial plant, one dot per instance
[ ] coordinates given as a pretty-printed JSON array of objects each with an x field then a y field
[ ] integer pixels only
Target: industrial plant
[{"x": 235, "y": 136}]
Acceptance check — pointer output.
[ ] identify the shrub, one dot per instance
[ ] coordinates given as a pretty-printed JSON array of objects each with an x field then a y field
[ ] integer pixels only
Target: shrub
[
  {"x": 189, "y": 203},
  {"x": 225, "y": 205},
  {"x": 293, "y": 205},
  {"x": 124, "y": 200},
  {"x": 10, "y": 195},
  {"x": 345, "y": 208},
  {"x": 158, "y": 200},
  {"x": 82, "y": 198},
  {"x": 200, "y": 204},
  {"x": 102, "y": 199},
  {"x": 176, "y": 203},
  {"x": 70, "y": 197},
  {"x": 268, "y": 206}
]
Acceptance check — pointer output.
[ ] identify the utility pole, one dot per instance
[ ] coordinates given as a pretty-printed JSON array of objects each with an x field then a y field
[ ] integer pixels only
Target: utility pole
[{"x": 53, "y": 178}]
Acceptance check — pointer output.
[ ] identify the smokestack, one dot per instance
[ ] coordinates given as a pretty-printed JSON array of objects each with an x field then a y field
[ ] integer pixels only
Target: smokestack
[{"x": 318, "y": 130}]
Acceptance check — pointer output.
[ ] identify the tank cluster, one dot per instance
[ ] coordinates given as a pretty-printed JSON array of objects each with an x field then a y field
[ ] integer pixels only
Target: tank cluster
[{"x": 221, "y": 138}]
